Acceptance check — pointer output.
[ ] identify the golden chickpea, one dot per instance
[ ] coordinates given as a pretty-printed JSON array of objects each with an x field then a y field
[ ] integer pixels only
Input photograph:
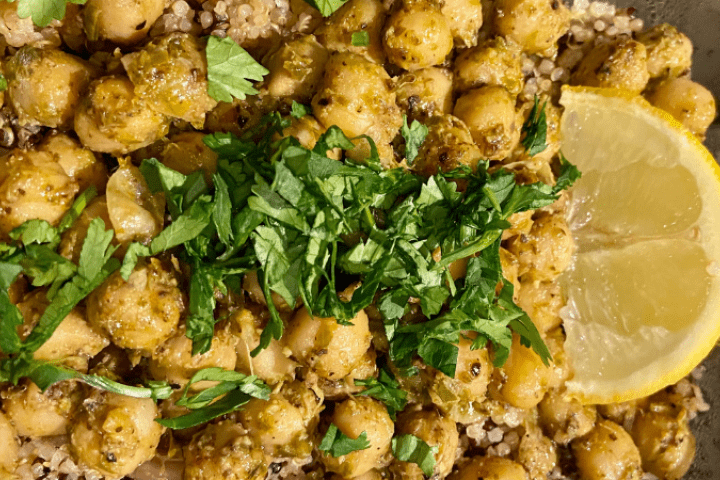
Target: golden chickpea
[
  {"x": 491, "y": 468},
  {"x": 330, "y": 349},
  {"x": 187, "y": 153},
  {"x": 620, "y": 64},
  {"x": 425, "y": 92},
  {"x": 124, "y": 22},
  {"x": 536, "y": 25},
  {"x": 79, "y": 163},
  {"x": 73, "y": 238},
  {"x": 565, "y": 419},
  {"x": 689, "y": 102},
  {"x": 448, "y": 145},
  {"x": 524, "y": 377},
  {"x": 35, "y": 414},
  {"x": 45, "y": 86},
  {"x": 607, "y": 453},
  {"x": 296, "y": 69},
  {"x": 666, "y": 444},
  {"x": 142, "y": 312},
  {"x": 669, "y": 51},
  {"x": 493, "y": 63},
  {"x": 489, "y": 113},
  {"x": 417, "y": 36},
  {"x": 114, "y": 434},
  {"x": 542, "y": 302},
  {"x": 355, "y": 16},
  {"x": 436, "y": 430},
  {"x": 465, "y": 18},
  {"x": 10, "y": 442},
  {"x": 352, "y": 417},
  {"x": 536, "y": 453}
]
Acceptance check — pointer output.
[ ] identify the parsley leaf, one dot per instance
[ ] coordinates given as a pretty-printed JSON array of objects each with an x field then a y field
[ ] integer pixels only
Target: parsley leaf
[
  {"x": 568, "y": 175},
  {"x": 409, "y": 448},
  {"x": 386, "y": 389},
  {"x": 44, "y": 11},
  {"x": 230, "y": 68},
  {"x": 326, "y": 7},
  {"x": 535, "y": 129},
  {"x": 414, "y": 136},
  {"x": 298, "y": 110},
  {"x": 3, "y": 83},
  {"x": 36, "y": 231},
  {"x": 360, "y": 39},
  {"x": 337, "y": 444}
]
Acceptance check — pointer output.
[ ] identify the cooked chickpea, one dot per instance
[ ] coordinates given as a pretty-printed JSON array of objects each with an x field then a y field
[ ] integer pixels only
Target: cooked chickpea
[
  {"x": 619, "y": 64},
  {"x": 35, "y": 414},
  {"x": 330, "y": 349},
  {"x": 296, "y": 69},
  {"x": 355, "y": 16},
  {"x": 665, "y": 442},
  {"x": 537, "y": 453},
  {"x": 465, "y": 18},
  {"x": 436, "y": 430},
  {"x": 45, "y": 86},
  {"x": 425, "y": 92},
  {"x": 542, "y": 302},
  {"x": 495, "y": 63},
  {"x": 448, "y": 145},
  {"x": 417, "y": 36},
  {"x": 9, "y": 441},
  {"x": 307, "y": 130},
  {"x": 142, "y": 312},
  {"x": 353, "y": 417},
  {"x": 252, "y": 286},
  {"x": 223, "y": 451},
  {"x": 689, "y": 102},
  {"x": 524, "y": 377},
  {"x": 112, "y": 119},
  {"x": 669, "y": 51},
  {"x": 136, "y": 214},
  {"x": 73, "y": 238},
  {"x": 607, "y": 453},
  {"x": 174, "y": 361},
  {"x": 114, "y": 434},
  {"x": 565, "y": 419},
  {"x": 79, "y": 163},
  {"x": 536, "y": 25},
  {"x": 489, "y": 113},
  {"x": 124, "y": 22},
  {"x": 33, "y": 185},
  {"x": 356, "y": 95},
  {"x": 170, "y": 76},
  {"x": 187, "y": 153},
  {"x": 491, "y": 468}
]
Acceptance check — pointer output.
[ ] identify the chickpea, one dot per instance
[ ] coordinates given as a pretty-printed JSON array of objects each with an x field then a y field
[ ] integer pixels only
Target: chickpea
[
  {"x": 223, "y": 451},
  {"x": 79, "y": 163},
  {"x": 73, "y": 238},
  {"x": 9, "y": 440},
  {"x": 560, "y": 370},
  {"x": 489, "y": 113},
  {"x": 620, "y": 64},
  {"x": 170, "y": 76},
  {"x": 465, "y": 18},
  {"x": 665, "y": 442},
  {"x": 272, "y": 364},
  {"x": 356, "y": 95},
  {"x": 434, "y": 429},
  {"x": 296, "y": 69},
  {"x": 537, "y": 453},
  {"x": 542, "y": 302},
  {"x": 124, "y": 22},
  {"x": 371, "y": 475},
  {"x": 187, "y": 153},
  {"x": 352, "y": 417},
  {"x": 33, "y": 186},
  {"x": 510, "y": 268},
  {"x": 690, "y": 103},
  {"x": 174, "y": 361},
  {"x": 141, "y": 313},
  {"x": 669, "y": 51},
  {"x": 491, "y": 468},
  {"x": 495, "y": 63},
  {"x": 520, "y": 223},
  {"x": 307, "y": 130},
  {"x": 355, "y": 16},
  {"x": 135, "y": 213},
  {"x": 114, "y": 434},
  {"x": 459, "y": 397},
  {"x": 45, "y": 86},
  {"x": 425, "y": 92},
  {"x": 524, "y": 378},
  {"x": 565, "y": 419},
  {"x": 112, "y": 119},
  {"x": 252, "y": 286},
  {"x": 417, "y": 36},
  {"x": 536, "y": 25},
  {"x": 607, "y": 453},
  {"x": 35, "y": 414},
  {"x": 448, "y": 145},
  {"x": 330, "y": 349}
]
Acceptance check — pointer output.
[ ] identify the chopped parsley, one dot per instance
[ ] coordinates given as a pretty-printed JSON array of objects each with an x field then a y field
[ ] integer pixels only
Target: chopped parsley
[
  {"x": 535, "y": 129},
  {"x": 409, "y": 448},
  {"x": 298, "y": 110},
  {"x": 360, "y": 39},
  {"x": 386, "y": 389},
  {"x": 43, "y": 12},
  {"x": 326, "y": 7},
  {"x": 414, "y": 135},
  {"x": 230, "y": 69},
  {"x": 3, "y": 83},
  {"x": 336, "y": 444}
]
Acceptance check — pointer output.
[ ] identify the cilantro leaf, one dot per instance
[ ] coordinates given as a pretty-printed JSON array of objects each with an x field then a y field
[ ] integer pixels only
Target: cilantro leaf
[
  {"x": 360, "y": 39},
  {"x": 535, "y": 129},
  {"x": 409, "y": 448},
  {"x": 337, "y": 444},
  {"x": 229, "y": 69},
  {"x": 80, "y": 203},
  {"x": 326, "y": 7},
  {"x": 386, "y": 389},
  {"x": 298, "y": 110},
  {"x": 36, "y": 231},
  {"x": 3, "y": 83},
  {"x": 414, "y": 135},
  {"x": 44, "y": 11},
  {"x": 568, "y": 175},
  {"x": 10, "y": 319}
]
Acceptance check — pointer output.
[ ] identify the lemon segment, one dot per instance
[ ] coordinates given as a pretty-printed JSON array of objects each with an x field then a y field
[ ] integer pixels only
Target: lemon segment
[{"x": 643, "y": 291}]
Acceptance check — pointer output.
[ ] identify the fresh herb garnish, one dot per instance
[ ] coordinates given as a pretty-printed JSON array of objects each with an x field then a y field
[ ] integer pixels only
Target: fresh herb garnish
[
  {"x": 414, "y": 135},
  {"x": 409, "y": 448},
  {"x": 230, "y": 68},
  {"x": 326, "y": 7},
  {"x": 386, "y": 389},
  {"x": 535, "y": 129},
  {"x": 360, "y": 39},
  {"x": 298, "y": 110},
  {"x": 3, "y": 83},
  {"x": 336, "y": 444},
  {"x": 43, "y": 12}
]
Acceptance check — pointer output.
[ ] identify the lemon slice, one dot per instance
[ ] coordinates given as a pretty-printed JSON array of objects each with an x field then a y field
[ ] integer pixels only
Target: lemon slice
[{"x": 643, "y": 292}]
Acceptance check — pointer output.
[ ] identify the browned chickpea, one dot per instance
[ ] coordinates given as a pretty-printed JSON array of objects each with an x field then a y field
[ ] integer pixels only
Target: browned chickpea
[
  {"x": 619, "y": 64},
  {"x": 607, "y": 453}
]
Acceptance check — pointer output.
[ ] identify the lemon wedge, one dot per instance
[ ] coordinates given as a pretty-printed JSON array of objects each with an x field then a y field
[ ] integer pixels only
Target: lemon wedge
[{"x": 643, "y": 292}]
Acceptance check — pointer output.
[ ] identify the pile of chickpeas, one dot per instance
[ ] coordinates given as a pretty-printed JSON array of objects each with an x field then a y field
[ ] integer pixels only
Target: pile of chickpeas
[{"x": 108, "y": 96}]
